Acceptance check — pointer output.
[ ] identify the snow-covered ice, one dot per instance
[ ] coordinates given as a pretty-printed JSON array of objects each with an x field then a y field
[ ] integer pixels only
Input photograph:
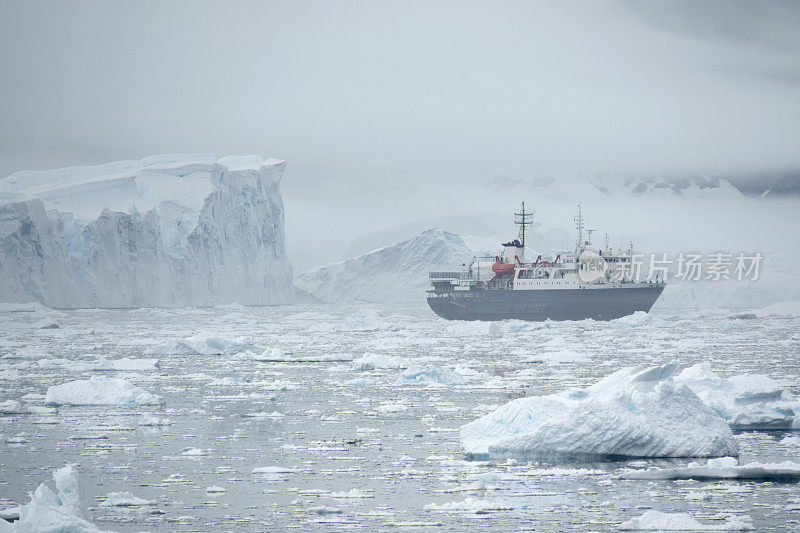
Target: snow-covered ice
[
  {"x": 659, "y": 521},
  {"x": 723, "y": 468},
  {"x": 167, "y": 230},
  {"x": 371, "y": 361},
  {"x": 635, "y": 412},
  {"x": 124, "y": 499},
  {"x": 54, "y": 512},
  {"x": 747, "y": 401},
  {"x": 100, "y": 391},
  {"x": 430, "y": 375}
]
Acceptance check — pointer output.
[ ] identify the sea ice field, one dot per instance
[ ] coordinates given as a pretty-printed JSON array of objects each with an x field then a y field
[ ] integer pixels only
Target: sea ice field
[{"x": 330, "y": 417}]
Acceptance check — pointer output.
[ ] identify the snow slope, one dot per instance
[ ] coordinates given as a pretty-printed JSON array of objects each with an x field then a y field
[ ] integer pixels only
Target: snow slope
[
  {"x": 397, "y": 273},
  {"x": 166, "y": 230}
]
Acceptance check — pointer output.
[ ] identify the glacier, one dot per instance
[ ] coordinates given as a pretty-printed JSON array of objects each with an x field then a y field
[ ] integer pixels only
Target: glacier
[
  {"x": 396, "y": 273},
  {"x": 168, "y": 230},
  {"x": 634, "y": 412}
]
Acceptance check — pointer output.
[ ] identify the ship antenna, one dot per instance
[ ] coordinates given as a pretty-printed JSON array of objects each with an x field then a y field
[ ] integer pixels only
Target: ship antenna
[
  {"x": 522, "y": 219},
  {"x": 579, "y": 226}
]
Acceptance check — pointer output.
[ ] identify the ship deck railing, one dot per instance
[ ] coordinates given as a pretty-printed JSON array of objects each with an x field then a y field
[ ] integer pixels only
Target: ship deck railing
[{"x": 451, "y": 275}]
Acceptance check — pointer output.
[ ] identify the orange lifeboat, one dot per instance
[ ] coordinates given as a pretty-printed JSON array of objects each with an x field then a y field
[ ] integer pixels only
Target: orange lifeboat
[{"x": 503, "y": 268}]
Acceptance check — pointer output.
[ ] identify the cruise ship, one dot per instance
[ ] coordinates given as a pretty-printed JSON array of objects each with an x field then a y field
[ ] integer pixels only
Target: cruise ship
[{"x": 585, "y": 283}]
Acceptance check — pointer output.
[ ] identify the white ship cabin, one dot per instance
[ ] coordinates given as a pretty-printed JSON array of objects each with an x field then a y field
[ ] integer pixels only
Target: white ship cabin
[{"x": 510, "y": 271}]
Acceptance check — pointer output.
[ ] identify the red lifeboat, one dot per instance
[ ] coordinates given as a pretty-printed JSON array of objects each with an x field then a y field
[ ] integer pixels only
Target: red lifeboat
[{"x": 502, "y": 268}]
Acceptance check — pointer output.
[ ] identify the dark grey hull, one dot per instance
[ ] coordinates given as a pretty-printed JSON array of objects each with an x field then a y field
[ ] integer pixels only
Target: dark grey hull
[{"x": 539, "y": 305}]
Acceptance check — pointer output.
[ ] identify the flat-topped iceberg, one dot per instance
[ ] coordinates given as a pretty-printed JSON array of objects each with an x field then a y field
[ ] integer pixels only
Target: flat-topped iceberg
[
  {"x": 100, "y": 391},
  {"x": 168, "y": 230},
  {"x": 635, "y": 412},
  {"x": 746, "y": 401}
]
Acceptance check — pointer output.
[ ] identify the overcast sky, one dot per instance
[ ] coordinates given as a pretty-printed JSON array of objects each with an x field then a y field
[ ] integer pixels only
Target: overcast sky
[{"x": 371, "y": 101}]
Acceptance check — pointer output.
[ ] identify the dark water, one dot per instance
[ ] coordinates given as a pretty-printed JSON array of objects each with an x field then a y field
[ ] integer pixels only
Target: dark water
[{"x": 372, "y": 452}]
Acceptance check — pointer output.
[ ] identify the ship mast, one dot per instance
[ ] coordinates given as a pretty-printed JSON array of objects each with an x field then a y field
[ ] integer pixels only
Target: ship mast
[
  {"x": 579, "y": 227},
  {"x": 523, "y": 219}
]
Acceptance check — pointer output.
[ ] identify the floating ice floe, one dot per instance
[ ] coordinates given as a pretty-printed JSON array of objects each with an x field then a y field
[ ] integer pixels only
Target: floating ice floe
[
  {"x": 152, "y": 420},
  {"x": 126, "y": 364},
  {"x": 430, "y": 375},
  {"x": 100, "y": 391},
  {"x": 13, "y": 407},
  {"x": 48, "y": 511},
  {"x": 747, "y": 401},
  {"x": 722, "y": 468},
  {"x": 658, "y": 521},
  {"x": 372, "y": 361},
  {"x": 216, "y": 489},
  {"x": 635, "y": 412},
  {"x": 638, "y": 319},
  {"x": 200, "y": 345},
  {"x": 353, "y": 493},
  {"x": 272, "y": 470},
  {"x": 323, "y": 510},
  {"x": 124, "y": 499},
  {"x": 470, "y": 505}
]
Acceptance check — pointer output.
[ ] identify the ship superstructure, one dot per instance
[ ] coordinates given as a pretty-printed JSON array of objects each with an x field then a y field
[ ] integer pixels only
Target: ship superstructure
[{"x": 586, "y": 282}]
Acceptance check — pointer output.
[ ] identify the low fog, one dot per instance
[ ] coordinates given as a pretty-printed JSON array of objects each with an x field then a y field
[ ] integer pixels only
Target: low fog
[{"x": 394, "y": 115}]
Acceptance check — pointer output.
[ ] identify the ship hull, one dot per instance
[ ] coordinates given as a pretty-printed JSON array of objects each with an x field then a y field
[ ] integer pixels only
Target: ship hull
[{"x": 540, "y": 305}]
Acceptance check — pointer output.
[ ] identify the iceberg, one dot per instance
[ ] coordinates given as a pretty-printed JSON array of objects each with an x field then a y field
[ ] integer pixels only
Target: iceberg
[
  {"x": 168, "y": 230},
  {"x": 634, "y": 412},
  {"x": 722, "y": 468},
  {"x": 658, "y": 521},
  {"x": 100, "y": 391},
  {"x": 746, "y": 401},
  {"x": 48, "y": 511},
  {"x": 397, "y": 273}
]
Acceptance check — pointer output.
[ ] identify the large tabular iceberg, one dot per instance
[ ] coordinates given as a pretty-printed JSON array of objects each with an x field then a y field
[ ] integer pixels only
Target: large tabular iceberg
[
  {"x": 166, "y": 230},
  {"x": 635, "y": 412}
]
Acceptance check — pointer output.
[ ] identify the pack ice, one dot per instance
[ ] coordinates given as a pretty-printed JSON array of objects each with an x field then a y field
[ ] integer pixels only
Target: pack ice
[
  {"x": 166, "y": 230},
  {"x": 635, "y": 412}
]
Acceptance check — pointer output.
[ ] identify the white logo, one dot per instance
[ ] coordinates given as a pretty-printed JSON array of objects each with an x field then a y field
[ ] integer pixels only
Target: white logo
[{"x": 592, "y": 267}]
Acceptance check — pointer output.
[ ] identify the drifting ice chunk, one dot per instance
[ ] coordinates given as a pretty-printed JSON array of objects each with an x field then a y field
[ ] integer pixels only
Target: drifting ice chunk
[
  {"x": 635, "y": 412},
  {"x": 748, "y": 401},
  {"x": 48, "y": 511},
  {"x": 124, "y": 499},
  {"x": 150, "y": 420},
  {"x": 371, "y": 361},
  {"x": 126, "y": 364},
  {"x": 658, "y": 521},
  {"x": 202, "y": 346},
  {"x": 13, "y": 407},
  {"x": 100, "y": 391},
  {"x": 723, "y": 468},
  {"x": 430, "y": 375},
  {"x": 473, "y": 505},
  {"x": 779, "y": 309}
]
